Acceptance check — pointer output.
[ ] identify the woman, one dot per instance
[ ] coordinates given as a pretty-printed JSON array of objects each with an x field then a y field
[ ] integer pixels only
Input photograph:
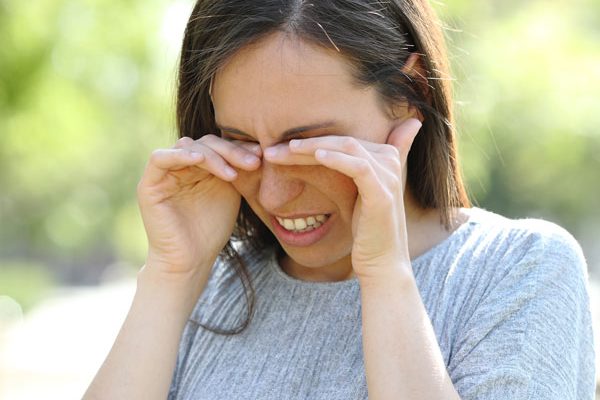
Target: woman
[{"x": 317, "y": 158}]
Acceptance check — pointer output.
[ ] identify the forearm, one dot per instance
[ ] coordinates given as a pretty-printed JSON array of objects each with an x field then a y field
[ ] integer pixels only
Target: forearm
[
  {"x": 402, "y": 356},
  {"x": 141, "y": 362}
]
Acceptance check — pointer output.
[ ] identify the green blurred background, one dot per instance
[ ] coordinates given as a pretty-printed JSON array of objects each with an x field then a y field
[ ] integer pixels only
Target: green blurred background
[{"x": 86, "y": 93}]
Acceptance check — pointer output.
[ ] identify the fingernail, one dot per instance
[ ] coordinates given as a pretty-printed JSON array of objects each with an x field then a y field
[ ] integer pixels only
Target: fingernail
[
  {"x": 320, "y": 153},
  {"x": 270, "y": 152},
  {"x": 295, "y": 143},
  {"x": 230, "y": 172},
  {"x": 250, "y": 159}
]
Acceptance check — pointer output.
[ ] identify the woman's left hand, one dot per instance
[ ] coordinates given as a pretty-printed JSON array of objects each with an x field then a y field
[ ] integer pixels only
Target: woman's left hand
[{"x": 379, "y": 220}]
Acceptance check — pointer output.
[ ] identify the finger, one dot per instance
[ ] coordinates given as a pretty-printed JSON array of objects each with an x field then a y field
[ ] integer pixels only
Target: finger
[
  {"x": 252, "y": 147},
  {"x": 359, "y": 169},
  {"x": 347, "y": 144},
  {"x": 185, "y": 142},
  {"x": 239, "y": 155},
  {"x": 301, "y": 151},
  {"x": 163, "y": 160},
  {"x": 403, "y": 135},
  {"x": 214, "y": 163},
  {"x": 282, "y": 155}
]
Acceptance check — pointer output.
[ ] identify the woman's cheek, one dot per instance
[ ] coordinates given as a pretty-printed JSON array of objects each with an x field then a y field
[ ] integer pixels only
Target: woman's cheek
[
  {"x": 342, "y": 189},
  {"x": 246, "y": 183}
]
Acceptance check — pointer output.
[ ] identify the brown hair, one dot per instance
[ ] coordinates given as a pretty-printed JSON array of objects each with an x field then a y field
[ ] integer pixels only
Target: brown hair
[{"x": 376, "y": 37}]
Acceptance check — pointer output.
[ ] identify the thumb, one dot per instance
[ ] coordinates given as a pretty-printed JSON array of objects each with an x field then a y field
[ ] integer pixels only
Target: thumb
[{"x": 403, "y": 135}]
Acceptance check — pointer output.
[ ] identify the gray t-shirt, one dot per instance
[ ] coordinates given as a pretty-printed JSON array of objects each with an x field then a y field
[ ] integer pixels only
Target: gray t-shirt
[{"x": 508, "y": 301}]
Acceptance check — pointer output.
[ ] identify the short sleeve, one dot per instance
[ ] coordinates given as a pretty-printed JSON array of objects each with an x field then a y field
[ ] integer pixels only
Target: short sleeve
[{"x": 530, "y": 336}]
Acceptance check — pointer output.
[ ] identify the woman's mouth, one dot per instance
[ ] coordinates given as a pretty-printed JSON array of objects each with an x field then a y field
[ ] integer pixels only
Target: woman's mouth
[
  {"x": 298, "y": 225},
  {"x": 301, "y": 231}
]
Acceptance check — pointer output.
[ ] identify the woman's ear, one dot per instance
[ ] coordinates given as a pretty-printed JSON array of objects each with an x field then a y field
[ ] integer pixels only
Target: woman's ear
[
  {"x": 413, "y": 64},
  {"x": 413, "y": 112},
  {"x": 406, "y": 111},
  {"x": 415, "y": 71}
]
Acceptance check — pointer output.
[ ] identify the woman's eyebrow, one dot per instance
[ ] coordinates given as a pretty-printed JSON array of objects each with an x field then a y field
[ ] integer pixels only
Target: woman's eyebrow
[{"x": 287, "y": 134}]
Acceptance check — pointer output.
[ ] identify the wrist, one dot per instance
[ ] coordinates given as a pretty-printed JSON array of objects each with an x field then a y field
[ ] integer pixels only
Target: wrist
[
  {"x": 172, "y": 289},
  {"x": 394, "y": 276}
]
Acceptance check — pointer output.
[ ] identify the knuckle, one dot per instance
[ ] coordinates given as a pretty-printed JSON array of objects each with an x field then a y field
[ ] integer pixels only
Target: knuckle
[
  {"x": 250, "y": 148},
  {"x": 392, "y": 151},
  {"x": 139, "y": 188},
  {"x": 363, "y": 167},
  {"x": 240, "y": 151},
  {"x": 396, "y": 166},
  {"x": 208, "y": 138},
  {"x": 183, "y": 142},
  {"x": 142, "y": 188},
  {"x": 350, "y": 144},
  {"x": 156, "y": 155}
]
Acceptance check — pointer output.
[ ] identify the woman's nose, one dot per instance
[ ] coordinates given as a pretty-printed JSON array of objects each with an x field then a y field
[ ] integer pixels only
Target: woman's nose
[{"x": 277, "y": 187}]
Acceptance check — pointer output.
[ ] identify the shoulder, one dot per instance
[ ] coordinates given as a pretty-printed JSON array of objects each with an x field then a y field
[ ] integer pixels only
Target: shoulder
[
  {"x": 489, "y": 248},
  {"x": 528, "y": 233},
  {"x": 526, "y": 307},
  {"x": 536, "y": 245}
]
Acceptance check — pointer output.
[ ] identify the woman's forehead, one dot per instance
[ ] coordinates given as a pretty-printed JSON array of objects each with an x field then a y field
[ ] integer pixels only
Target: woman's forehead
[
  {"x": 285, "y": 78},
  {"x": 282, "y": 64}
]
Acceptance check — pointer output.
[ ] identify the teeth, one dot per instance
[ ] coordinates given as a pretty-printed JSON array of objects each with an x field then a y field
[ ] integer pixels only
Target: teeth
[
  {"x": 288, "y": 224},
  {"x": 299, "y": 223},
  {"x": 302, "y": 224}
]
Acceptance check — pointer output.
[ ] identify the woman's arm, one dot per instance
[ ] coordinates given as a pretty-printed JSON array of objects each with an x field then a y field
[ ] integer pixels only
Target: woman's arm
[
  {"x": 189, "y": 209},
  {"x": 526, "y": 335},
  {"x": 402, "y": 356},
  {"x": 141, "y": 362}
]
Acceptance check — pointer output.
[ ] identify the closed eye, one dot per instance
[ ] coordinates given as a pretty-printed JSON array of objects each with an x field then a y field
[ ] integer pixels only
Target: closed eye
[
  {"x": 230, "y": 136},
  {"x": 242, "y": 138}
]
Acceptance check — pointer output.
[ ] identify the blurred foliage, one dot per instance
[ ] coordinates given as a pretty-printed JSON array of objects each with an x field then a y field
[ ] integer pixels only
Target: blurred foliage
[
  {"x": 529, "y": 119},
  {"x": 86, "y": 92},
  {"x": 85, "y": 95},
  {"x": 26, "y": 283}
]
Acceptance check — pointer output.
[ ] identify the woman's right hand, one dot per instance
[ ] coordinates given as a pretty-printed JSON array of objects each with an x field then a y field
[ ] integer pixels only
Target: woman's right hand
[{"x": 188, "y": 204}]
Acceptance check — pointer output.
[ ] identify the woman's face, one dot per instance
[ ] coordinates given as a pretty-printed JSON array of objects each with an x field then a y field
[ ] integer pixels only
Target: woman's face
[{"x": 279, "y": 89}]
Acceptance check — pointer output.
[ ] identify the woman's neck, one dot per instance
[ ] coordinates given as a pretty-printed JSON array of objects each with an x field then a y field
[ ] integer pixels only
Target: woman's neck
[{"x": 424, "y": 226}]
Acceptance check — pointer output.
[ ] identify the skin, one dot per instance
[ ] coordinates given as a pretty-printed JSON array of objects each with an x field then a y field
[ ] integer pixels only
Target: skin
[
  {"x": 355, "y": 170},
  {"x": 282, "y": 83}
]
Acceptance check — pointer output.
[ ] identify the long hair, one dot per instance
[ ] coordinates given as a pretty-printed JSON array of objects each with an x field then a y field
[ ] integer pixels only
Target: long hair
[{"x": 376, "y": 38}]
